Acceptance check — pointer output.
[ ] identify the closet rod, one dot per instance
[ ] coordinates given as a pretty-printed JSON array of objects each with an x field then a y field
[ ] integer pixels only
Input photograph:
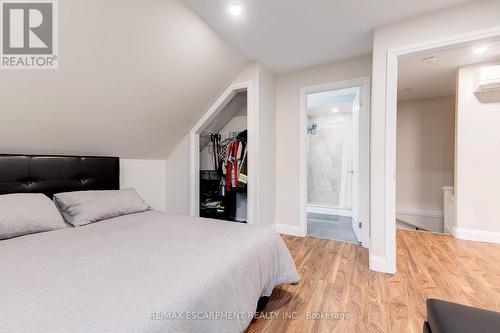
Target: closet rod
[{"x": 229, "y": 134}]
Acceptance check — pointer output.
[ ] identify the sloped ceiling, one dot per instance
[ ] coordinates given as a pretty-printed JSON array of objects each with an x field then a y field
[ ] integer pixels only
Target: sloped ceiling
[
  {"x": 133, "y": 77},
  {"x": 220, "y": 121}
]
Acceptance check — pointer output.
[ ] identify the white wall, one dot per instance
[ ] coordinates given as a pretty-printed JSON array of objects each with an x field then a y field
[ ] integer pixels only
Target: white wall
[
  {"x": 237, "y": 124},
  {"x": 425, "y": 152},
  {"x": 477, "y": 162},
  {"x": 267, "y": 148},
  {"x": 326, "y": 149},
  {"x": 177, "y": 179},
  {"x": 460, "y": 19},
  {"x": 148, "y": 178},
  {"x": 287, "y": 130}
]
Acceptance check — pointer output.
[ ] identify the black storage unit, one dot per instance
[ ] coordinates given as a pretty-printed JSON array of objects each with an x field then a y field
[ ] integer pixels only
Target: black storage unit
[{"x": 211, "y": 194}]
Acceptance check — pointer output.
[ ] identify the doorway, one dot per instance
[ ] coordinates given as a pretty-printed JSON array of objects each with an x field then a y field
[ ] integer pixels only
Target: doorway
[
  {"x": 229, "y": 197},
  {"x": 443, "y": 96},
  {"x": 224, "y": 163},
  {"x": 334, "y": 161},
  {"x": 393, "y": 58}
]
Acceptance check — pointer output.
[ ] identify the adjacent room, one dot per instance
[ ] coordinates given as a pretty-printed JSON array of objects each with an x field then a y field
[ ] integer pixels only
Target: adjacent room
[
  {"x": 231, "y": 166},
  {"x": 433, "y": 98}
]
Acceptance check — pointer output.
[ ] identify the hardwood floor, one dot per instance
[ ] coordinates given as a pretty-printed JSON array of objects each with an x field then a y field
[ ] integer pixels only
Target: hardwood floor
[{"x": 335, "y": 279}]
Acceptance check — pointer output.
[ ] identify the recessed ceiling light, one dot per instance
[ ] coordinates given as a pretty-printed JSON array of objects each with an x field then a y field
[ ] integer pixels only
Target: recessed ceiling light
[
  {"x": 481, "y": 49},
  {"x": 335, "y": 110},
  {"x": 235, "y": 10},
  {"x": 429, "y": 60}
]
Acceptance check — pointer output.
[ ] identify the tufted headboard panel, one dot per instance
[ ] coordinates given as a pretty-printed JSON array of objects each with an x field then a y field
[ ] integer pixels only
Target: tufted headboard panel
[{"x": 55, "y": 174}]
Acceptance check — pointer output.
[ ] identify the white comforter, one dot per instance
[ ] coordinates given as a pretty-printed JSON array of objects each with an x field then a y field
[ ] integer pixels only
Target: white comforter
[{"x": 146, "y": 272}]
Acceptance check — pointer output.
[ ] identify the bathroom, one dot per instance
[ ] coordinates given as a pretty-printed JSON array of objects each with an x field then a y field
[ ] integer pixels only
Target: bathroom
[{"x": 332, "y": 163}]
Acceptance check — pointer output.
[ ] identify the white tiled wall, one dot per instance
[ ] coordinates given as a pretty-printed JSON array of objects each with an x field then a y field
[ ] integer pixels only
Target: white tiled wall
[{"x": 325, "y": 158}]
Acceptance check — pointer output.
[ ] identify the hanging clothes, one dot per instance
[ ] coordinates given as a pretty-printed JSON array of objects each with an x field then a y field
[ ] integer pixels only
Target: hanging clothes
[
  {"x": 232, "y": 165},
  {"x": 227, "y": 182},
  {"x": 215, "y": 138},
  {"x": 229, "y": 157}
]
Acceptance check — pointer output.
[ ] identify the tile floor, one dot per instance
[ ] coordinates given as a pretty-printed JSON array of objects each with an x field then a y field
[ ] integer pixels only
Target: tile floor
[{"x": 331, "y": 227}]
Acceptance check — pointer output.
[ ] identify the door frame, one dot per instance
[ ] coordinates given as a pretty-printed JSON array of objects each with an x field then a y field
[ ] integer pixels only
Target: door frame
[
  {"x": 194, "y": 149},
  {"x": 391, "y": 124},
  {"x": 364, "y": 151}
]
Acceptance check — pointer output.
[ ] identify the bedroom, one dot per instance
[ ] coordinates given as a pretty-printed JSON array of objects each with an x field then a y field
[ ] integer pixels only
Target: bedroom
[{"x": 135, "y": 86}]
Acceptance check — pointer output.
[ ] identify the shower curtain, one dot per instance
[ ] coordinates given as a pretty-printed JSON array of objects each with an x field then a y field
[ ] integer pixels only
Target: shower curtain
[{"x": 345, "y": 190}]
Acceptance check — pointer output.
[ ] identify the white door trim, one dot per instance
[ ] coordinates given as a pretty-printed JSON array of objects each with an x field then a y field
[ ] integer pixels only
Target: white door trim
[
  {"x": 390, "y": 126},
  {"x": 194, "y": 148},
  {"x": 364, "y": 151}
]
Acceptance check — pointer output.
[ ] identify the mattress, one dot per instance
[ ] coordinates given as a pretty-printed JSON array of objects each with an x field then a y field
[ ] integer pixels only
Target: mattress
[{"x": 145, "y": 272}]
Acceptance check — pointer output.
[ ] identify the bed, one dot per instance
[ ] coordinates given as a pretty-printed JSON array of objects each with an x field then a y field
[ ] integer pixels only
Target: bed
[{"x": 144, "y": 272}]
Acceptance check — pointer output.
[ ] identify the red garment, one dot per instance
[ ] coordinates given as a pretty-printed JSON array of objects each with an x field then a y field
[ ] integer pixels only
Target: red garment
[
  {"x": 235, "y": 165},
  {"x": 228, "y": 169},
  {"x": 232, "y": 166}
]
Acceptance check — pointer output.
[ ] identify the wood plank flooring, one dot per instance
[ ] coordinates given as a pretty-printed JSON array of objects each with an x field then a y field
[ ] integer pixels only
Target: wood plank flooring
[{"x": 335, "y": 279}]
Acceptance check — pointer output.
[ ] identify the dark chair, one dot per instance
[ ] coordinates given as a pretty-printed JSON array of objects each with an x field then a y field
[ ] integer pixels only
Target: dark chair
[{"x": 446, "y": 317}]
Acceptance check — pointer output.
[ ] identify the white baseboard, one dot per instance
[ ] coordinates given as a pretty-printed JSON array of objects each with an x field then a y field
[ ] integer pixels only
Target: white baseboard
[
  {"x": 316, "y": 209},
  {"x": 428, "y": 219},
  {"x": 379, "y": 264},
  {"x": 421, "y": 212},
  {"x": 477, "y": 235},
  {"x": 288, "y": 230}
]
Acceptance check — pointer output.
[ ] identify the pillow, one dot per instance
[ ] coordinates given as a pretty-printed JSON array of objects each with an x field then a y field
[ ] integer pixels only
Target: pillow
[
  {"x": 27, "y": 213},
  {"x": 85, "y": 207}
]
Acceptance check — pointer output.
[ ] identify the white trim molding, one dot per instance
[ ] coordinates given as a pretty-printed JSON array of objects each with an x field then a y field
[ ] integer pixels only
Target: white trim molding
[
  {"x": 477, "y": 235},
  {"x": 286, "y": 229},
  {"x": 317, "y": 209},
  {"x": 378, "y": 264},
  {"x": 390, "y": 125}
]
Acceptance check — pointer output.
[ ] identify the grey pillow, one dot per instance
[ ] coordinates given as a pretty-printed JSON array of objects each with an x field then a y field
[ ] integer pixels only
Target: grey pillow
[
  {"x": 27, "y": 213},
  {"x": 85, "y": 207}
]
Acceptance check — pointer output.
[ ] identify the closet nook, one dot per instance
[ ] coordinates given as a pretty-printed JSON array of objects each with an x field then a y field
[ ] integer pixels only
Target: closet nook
[{"x": 223, "y": 163}]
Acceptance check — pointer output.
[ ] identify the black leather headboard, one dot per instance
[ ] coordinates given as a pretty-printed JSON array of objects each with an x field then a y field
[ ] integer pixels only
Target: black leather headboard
[{"x": 56, "y": 174}]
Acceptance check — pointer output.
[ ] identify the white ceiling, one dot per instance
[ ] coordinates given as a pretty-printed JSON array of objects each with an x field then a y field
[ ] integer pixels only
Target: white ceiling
[
  {"x": 332, "y": 102},
  {"x": 291, "y": 34},
  {"x": 418, "y": 79},
  {"x": 339, "y": 108},
  {"x": 332, "y": 97}
]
